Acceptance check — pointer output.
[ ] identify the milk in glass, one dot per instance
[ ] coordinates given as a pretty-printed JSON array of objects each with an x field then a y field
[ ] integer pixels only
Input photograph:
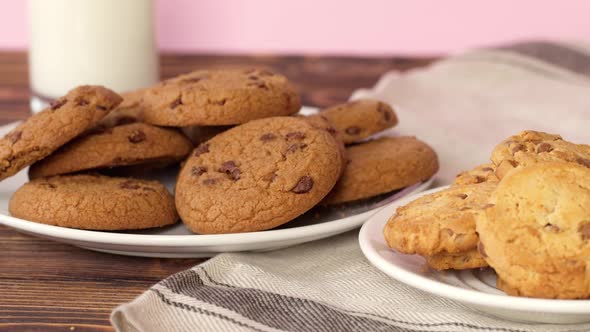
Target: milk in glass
[{"x": 102, "y": 42}]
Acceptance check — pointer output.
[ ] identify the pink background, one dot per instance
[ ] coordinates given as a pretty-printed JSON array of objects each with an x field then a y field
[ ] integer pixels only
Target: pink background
[{"x": 369, "y": 27}]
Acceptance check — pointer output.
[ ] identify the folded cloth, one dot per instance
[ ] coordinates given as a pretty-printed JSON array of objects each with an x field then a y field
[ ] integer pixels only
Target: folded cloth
[{"x": 463, "y": 106}]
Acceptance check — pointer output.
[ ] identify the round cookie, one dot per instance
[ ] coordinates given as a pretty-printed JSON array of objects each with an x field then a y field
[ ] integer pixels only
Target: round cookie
[
  {"x": 530, "y": 147},
  {"x": 94, "y": 202},
  {"x": 257, "y": 176},
  {"x": 383, "y": 165},
  {"x": 357, "y": 120},
  {"x": 479, "y": 174},
  {"x": 129, "y": 144},
  {"x": 219, "y": 97},
  {"x": 471, "y": 259},
  {"x": 441, "y": 222},
  {"x": 41, "y": 134},
  {"x": 536, "y": 232}
]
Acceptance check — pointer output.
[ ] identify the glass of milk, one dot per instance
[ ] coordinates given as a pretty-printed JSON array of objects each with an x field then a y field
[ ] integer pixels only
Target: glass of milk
[{"x": 101, "y": 42}]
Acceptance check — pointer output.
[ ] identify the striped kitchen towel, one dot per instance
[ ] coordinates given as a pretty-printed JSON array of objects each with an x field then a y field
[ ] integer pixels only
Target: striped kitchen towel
[{"x": 462, "y": 105}]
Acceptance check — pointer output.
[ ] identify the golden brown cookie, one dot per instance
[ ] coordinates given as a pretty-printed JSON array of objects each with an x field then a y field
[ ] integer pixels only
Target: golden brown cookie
[
  {"x": 94, "y": 202},
  {"x": 381, "y": 166},
  {"x": 536, "y": 232},
  {"x": 257, "y": 176},
  {"x": 357, "y": 120},
  {"x": 530, "y": 147},
  {"x": 479, "y": 174},
  {"x": 471, "y": 259},
  {"x": 41, "y": 134},
  {"x": 219, "y": 97},
  {"x": 129, "y": 144},
  {"x": 441, "y": 222}
]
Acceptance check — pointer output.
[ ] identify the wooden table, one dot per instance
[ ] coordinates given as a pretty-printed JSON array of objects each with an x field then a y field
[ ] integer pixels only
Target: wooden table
[{"x": 48, "y": 286}]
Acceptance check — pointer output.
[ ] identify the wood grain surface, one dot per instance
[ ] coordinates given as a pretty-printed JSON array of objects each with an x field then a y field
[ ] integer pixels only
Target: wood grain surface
[{"x": 48, "y": 286}]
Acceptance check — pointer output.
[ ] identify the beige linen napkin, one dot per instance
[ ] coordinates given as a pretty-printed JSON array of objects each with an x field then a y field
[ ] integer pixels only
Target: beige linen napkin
[{"x": 462, "y": 106}]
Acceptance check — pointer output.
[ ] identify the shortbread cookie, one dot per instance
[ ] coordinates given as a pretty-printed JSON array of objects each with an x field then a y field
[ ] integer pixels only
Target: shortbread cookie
[
  {"x": 479, "y": 174},
  {"x": 41, "y": 134},
  {"x": 94, "y": 202},
  {"x": 471, "y": 259},
  {"x": 219, "y": 97},
  {"x": 536, "y": 232},
  {"x": 443, "y": 221},
  {"x": 129, "y": 144},
  {"x": 530, "y": 147},
  {"x": 381, "y": 166},
  {"x": 357, "y": 120},
  {"x": 257, "y": 176}
]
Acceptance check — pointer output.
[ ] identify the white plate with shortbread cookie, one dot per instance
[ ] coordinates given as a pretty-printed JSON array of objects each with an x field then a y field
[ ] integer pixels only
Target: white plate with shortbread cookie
[{"x": 476, "y": 288}]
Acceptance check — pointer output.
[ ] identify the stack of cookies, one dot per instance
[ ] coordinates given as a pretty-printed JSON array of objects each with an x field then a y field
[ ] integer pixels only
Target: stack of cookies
[
  {"x": 248, "y": 162},
  {"x": 526, "y": 215}
]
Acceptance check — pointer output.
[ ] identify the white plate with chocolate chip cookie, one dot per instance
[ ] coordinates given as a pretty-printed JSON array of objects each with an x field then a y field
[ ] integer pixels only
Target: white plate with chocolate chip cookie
[
  {"x": 177, "y": 240},
  {"x": 475, "y": 288}
]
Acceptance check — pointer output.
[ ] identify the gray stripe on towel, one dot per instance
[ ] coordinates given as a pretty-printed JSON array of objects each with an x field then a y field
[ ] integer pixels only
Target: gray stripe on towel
[
  {"x": 296, "y": 314},
  {"x": 274, "y": 310}
]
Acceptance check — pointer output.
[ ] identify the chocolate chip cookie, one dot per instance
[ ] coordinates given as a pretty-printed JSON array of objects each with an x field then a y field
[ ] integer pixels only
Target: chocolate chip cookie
[
  {"x": 441, "y": 222},
  {"x": 536, "y": 231},
  {"x": 44, "y": 132},
  {"x": 357, "y": 120},
  {"x": 257, "y": 176},
  {"x": 219, "y": 97},
  {"x": 123, "y": 145},
  {"x": 530, "y": 147},
  {"x": 94, "y": 202},
  {"x": 381, "y": 166}
]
